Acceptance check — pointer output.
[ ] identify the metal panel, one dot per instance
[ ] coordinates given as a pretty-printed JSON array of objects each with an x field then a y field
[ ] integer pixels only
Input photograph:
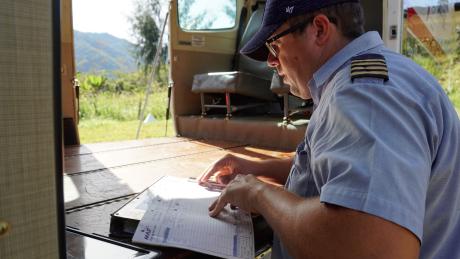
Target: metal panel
[
  {"x": 29, "y": 166},
  {"x": 392, "y": 24}
]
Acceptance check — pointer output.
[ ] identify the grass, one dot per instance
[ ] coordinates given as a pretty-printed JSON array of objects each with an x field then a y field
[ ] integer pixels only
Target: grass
[
  {"x": 122, "y": 106},
  {"x": 106, "y": 130},
  {"x": 109, "y": 116}
]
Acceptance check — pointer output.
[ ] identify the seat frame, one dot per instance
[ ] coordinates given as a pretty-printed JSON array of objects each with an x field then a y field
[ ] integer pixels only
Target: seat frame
[{"x": 228, "y": 105}]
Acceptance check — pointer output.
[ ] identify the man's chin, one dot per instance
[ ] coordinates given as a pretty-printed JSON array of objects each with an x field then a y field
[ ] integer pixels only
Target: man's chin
[
  {"x": 294, "y": 91},
  {"x": 296, "y": 94},
  {"x": 285, "y": 81}
]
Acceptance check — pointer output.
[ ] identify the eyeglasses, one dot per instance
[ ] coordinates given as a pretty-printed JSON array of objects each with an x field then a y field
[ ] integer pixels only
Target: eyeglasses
[{"x": 292, "y": 29}]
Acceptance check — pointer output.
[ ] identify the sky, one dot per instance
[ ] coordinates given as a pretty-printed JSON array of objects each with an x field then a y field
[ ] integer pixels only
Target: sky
[{"x": 109, "y": 16}]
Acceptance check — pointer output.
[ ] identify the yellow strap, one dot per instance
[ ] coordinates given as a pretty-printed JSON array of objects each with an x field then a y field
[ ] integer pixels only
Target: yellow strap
[
  {"x": 369, "y": 68},
  {"x": 370, "y": 60},
  {"x": 369, "y": 73},
  {"x": 368, "y": 64}
]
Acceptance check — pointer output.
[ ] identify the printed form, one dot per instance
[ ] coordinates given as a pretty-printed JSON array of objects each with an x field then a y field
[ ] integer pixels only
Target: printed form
[{"x": 177, "y": 216}]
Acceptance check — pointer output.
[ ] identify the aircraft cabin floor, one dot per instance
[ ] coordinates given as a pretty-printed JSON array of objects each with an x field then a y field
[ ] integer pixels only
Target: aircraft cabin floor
[{"x": 100, "y": 178}]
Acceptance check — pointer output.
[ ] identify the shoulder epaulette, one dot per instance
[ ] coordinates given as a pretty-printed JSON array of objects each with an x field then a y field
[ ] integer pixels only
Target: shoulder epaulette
[{"x": 369, "y": 65}]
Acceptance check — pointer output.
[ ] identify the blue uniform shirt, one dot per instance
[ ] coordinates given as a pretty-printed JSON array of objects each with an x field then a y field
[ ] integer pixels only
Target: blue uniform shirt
[{"x": 387, "y": 148}]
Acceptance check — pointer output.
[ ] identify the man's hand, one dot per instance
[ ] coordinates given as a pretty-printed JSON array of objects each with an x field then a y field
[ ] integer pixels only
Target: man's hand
[
  {"x": 221, "y": 172},
  {"x": 241, "y": 192}
]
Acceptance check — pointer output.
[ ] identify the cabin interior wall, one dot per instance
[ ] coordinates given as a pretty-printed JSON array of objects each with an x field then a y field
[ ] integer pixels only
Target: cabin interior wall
[
  {"x": 184, "y": 66},
  {"x": 28, "y": 168},
  {"x": 196, "y": 52}
]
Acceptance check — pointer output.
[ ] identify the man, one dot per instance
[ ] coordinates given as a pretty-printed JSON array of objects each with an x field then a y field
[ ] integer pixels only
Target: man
[{"x": 377, "y": 175}]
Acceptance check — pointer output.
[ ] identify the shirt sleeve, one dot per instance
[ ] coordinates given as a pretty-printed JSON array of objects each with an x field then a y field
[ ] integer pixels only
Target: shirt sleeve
[{"x": 372, "y": 153}]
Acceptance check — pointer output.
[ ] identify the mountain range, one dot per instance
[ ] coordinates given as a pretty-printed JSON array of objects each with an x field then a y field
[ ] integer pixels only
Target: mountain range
[{"x": 96, "y": 52}]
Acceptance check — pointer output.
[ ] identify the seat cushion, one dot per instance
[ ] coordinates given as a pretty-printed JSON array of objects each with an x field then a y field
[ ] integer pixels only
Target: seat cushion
[{"x": 233, "y": 82}]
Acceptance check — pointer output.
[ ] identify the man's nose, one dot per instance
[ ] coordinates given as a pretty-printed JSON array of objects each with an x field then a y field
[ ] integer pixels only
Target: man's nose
[{"x": 272, "y": 61}]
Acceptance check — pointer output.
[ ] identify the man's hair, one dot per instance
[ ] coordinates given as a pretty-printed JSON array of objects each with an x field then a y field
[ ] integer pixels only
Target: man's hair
[{"x": 348, "y": 17}]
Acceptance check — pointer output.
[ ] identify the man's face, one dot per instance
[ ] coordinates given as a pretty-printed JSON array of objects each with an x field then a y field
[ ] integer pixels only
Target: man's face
[{"x": 295, "y": 61}]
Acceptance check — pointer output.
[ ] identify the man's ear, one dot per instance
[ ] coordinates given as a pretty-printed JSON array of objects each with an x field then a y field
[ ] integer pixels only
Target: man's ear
[{"x": 322, "y": 27}]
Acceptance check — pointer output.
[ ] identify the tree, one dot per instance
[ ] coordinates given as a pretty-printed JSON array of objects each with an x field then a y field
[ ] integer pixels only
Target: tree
[{"x": 146, "y": 31}]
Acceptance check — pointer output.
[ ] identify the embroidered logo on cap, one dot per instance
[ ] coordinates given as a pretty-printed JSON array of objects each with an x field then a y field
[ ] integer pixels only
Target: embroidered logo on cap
[{"x": 289, "y": 9}]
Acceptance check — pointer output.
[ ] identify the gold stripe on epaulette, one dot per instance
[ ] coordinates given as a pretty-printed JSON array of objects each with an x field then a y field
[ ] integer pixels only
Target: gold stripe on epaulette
[
  {"x": 369, "y": 65},
  {"x": 370, "y": 60},
  {"x": 365, "y": 63},
  {"x": 369, "y": 68},
  {"x": 369, "y": 73}
]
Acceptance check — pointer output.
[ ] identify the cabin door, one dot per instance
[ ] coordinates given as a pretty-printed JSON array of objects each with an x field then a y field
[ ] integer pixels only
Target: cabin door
[{"x": 31, "y": 206}]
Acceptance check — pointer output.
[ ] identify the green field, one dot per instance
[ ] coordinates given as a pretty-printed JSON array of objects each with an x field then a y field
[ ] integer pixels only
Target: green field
[
  {"x": 106, "y": 130},
  {"x": 110, "y": 110}
]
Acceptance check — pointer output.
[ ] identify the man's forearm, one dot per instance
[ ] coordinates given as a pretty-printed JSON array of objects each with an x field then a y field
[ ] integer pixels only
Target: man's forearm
[
  {"x": 311, "y": 229},
  {"x": 272, "y": 169},
  {"x": 284, "y": 211}
]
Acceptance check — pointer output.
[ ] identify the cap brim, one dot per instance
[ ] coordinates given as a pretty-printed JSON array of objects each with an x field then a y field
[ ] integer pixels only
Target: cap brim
[{"x": 255, "y": 48}]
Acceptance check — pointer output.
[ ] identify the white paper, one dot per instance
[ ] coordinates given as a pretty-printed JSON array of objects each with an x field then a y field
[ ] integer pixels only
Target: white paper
[{"x": 177, "y": 216}]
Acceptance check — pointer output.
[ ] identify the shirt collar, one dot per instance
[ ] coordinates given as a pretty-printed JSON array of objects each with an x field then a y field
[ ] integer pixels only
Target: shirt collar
[{"x": 359, "y": 45}]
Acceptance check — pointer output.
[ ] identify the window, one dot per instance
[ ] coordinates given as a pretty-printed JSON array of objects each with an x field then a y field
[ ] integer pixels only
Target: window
[
  {"x": 207, "y": 14},
  {"x": 431, "y": 37}
]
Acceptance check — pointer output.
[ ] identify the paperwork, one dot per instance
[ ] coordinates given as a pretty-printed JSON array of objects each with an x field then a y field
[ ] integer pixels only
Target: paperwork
[{"x": 177, "y": 216}]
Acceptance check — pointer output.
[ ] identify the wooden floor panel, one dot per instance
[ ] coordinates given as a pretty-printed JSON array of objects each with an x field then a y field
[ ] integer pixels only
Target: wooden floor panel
[
  {"x": 128, "y": 156},
  {"x": 112, "y": 146}
]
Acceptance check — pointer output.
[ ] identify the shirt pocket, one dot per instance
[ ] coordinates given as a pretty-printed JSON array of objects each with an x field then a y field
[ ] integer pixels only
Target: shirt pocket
[{"x": 301, "y": 180}]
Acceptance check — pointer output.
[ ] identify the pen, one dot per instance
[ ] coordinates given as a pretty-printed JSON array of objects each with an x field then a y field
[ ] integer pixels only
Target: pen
[{"x": 214, "y": 186}]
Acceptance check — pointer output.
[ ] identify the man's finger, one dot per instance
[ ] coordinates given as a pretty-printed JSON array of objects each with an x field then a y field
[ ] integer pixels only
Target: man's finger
[
  {"x": 211, "y": 170},
  {"x": 213, "y": 205},
  {"x": 206, "y": 174},
  {"x": 217, "y": 207},
  {"x": 213, "y": 186},
  {"x": 224, "y": 178}
]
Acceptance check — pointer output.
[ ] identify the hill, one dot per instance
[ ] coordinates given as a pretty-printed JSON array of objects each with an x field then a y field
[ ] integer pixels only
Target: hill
[{"x": 95, "y": 52}]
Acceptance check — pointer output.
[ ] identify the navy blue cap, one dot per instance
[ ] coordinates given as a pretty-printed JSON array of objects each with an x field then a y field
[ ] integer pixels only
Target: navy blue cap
[{"x": 275, "y": 14}]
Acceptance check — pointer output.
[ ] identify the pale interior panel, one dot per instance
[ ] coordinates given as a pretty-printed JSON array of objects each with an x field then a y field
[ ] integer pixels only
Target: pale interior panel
[{"x": 27, "y": 143}]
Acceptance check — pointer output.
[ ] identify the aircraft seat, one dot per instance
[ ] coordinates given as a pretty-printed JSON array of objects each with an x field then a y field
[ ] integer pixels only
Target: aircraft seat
[{"x": 250, "y": 79}]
